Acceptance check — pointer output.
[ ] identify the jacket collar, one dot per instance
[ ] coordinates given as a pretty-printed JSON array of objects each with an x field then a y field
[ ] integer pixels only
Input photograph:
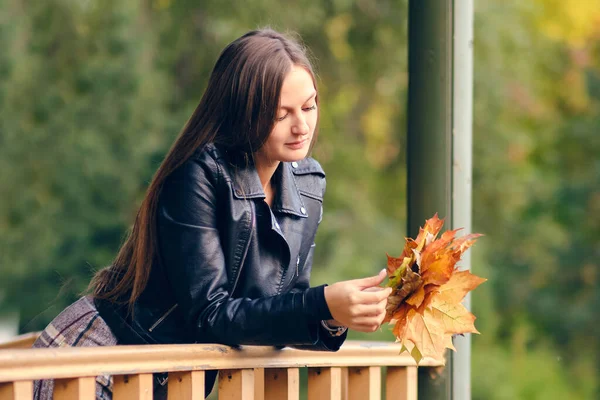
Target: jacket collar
[{"x": 246, "y": 185}]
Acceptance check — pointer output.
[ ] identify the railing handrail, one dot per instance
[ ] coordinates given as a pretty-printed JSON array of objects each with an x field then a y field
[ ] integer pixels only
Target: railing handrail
[{"x": 70, "y": 362}]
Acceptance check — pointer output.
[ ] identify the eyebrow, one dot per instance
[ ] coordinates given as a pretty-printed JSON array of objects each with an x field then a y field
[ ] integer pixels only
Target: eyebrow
[{"x": 309, "y": 97}]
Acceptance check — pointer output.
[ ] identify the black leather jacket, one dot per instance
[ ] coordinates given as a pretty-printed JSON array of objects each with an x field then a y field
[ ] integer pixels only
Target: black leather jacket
[{"x": 211, "y": 284}]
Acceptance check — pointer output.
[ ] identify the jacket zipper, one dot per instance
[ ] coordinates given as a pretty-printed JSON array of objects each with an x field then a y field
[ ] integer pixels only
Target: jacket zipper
[
  {"x": 161, "y": 319},
  {"x": 237, "y": 278}
]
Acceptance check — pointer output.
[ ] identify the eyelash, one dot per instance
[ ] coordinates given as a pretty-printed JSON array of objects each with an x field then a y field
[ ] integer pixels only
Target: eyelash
[{"x": 304, "y": 109}]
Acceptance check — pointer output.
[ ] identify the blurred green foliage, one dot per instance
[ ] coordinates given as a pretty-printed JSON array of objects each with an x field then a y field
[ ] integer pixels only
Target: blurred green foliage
[{"x": 93, "y": 93}]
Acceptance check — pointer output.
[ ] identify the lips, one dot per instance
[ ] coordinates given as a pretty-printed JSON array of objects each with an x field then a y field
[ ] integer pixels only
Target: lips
[{"x": 297, "y": 144}]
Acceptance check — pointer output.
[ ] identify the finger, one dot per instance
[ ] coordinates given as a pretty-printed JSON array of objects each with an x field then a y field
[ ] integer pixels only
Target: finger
[
  {"x": 382, "y": 307},
  {"x": 366, "y": 310},
  {"x": 373, "y": 289},
  {"x": 372, "y": 297},
  {"x": 371, "y": 280},
  {"x": 373, "y": 314}
]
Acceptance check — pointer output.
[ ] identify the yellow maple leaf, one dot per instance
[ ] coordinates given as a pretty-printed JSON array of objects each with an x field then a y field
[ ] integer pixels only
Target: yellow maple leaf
[
  {"x": 426, "y": 332},
  {"x": 454, "y": 317},
  {"x": 461, "y": 283}
]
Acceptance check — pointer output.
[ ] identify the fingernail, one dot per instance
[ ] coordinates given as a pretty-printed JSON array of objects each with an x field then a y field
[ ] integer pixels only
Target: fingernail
[{"x": 383, "y": 270}]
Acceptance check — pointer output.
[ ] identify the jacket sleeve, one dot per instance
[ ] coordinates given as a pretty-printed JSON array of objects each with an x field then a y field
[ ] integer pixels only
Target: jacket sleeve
[
  {"x": 324, "y": 342},
  {"x": 193, "y": 259}
]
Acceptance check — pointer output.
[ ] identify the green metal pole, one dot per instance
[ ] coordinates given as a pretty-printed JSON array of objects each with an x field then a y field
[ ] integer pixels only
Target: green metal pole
[
  {"x": 439, "y": 146},
  {"x": 429, "y": 111}
]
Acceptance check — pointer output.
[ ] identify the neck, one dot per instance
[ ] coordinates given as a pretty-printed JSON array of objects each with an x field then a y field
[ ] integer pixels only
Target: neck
[{"x": 265, "y": 172}]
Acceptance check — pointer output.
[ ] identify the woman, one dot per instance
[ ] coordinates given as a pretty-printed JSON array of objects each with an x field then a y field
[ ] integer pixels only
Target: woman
[{"x": 221, "y": 249}]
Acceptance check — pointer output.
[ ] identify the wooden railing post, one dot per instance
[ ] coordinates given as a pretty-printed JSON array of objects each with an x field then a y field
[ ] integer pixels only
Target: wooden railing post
[
  {"x": 186, "y": 385},
  {"x": 401, "y": 383},
  {"x": 236, "y": 384},
  {"x": 282, "y": 384},
  {"x": 364, "y": 383},
  {"x": 259, "y": 384},
  {"x": 134, "y": 387},
  {"x": 75, "y": 388},
  {"x": 16, "y": 390},
  {"x": 325, "y": 383},
  {"x": 344, "y": 381}
]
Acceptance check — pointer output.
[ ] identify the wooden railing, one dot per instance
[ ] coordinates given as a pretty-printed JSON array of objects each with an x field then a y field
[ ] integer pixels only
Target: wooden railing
[{"x": 258, "y": 373}]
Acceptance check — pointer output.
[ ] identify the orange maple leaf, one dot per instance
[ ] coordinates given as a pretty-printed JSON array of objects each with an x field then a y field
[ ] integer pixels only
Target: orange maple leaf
[
  {"x": 432, "y": 227},
  {"x": 416, "y": 299},
  {"x": 437, "y": 248}
]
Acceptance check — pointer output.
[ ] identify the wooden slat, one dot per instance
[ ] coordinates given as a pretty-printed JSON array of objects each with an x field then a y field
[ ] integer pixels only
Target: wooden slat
[
  {"x": 76, "y": 388},
  {"x": 236, "y": 384},
  {"x": 282, "y": 384},
  {"x": 325, "y": 383},
  {"x": 344, "y": 383},
  {"x": 364, "y": 383},
  {"x": 138, "y": 387},
  {"x": 401, "y": 383},
  {"x": 16, "y": 390},
  {"x": 186, "y": 385},
  {"x": 259, "y": 384}
]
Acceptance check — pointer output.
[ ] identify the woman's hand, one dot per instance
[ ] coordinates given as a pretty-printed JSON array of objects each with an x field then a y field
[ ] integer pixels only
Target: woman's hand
[{"x": 358, "y": 304}]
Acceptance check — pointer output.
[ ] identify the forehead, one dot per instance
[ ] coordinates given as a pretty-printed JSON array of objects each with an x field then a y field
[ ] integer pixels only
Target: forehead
[{"x": 297, "y": 86}]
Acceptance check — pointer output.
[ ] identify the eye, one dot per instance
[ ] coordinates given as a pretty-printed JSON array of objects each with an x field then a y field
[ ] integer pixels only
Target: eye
[{"x": 305, "y": 109}]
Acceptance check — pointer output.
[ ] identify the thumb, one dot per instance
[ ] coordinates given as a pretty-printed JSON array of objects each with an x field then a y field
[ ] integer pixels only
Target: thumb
[{"x": 372, "y": 280}]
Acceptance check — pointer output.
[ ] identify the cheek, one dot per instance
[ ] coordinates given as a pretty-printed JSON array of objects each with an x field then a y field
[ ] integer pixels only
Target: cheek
[
  {"x": 277, "y": 135},
  {"x": 313, "y": 120}
]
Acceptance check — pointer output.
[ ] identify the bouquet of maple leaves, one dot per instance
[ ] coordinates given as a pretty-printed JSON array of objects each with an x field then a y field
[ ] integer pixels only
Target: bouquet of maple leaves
[{"x": 425, "y": 304}]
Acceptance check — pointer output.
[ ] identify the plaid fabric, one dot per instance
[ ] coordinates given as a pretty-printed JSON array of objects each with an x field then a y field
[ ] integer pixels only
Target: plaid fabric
[{"x": 78, "y": 325}]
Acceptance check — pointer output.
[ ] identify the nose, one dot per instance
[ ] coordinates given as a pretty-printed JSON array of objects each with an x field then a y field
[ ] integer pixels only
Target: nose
[{"x": 300, "y": 126}]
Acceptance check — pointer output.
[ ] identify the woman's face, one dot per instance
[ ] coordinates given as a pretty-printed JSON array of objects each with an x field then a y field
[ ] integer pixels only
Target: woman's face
[{"x": 295, "y": 122}]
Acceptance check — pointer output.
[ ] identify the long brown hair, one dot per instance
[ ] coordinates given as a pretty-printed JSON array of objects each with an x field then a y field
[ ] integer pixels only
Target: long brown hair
[{"x": 237, "y": 111}]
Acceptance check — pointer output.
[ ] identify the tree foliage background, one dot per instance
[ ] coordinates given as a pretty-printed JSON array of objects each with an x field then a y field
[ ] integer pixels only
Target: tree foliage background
[{"x": 92, "y": 94}]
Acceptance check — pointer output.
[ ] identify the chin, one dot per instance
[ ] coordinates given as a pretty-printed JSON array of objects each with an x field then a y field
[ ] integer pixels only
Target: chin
[{"x": 297, "y": 155}]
